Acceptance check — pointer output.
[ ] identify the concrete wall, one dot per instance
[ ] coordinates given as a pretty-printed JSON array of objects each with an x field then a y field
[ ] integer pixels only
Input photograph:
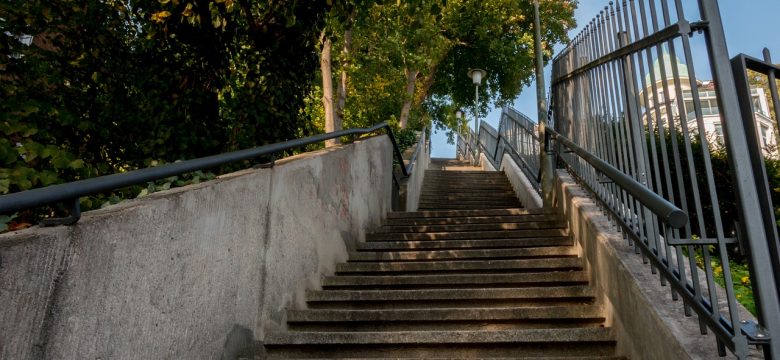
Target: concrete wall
[
  {"x": 413, "y": 185},
  {"x": 484, "y": 163},
  {"x": 525, "y": 191},
  {"x": 194, "y": 272},
  {"x": 648, "y": 323}
]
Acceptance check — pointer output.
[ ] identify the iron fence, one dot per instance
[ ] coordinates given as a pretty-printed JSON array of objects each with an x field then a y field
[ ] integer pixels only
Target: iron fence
[
  {"x": 758, "y": 142},
  {"x": 629, "y": 91}
]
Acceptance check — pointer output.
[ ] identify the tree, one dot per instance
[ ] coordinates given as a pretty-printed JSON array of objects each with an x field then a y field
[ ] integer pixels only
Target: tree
[{"x": 152, "y": 81}]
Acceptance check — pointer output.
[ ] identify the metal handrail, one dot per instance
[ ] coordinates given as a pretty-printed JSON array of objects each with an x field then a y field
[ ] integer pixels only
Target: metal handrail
[
  {"x": 665, "y": 210},
  {"x": 533, "y": 174},
  {"x": 413, "y": 158},
  {"x": 73, "y": 190}
]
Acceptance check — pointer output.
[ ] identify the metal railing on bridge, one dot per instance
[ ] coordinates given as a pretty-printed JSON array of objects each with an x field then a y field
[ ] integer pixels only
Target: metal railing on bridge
[
  {"x": 627, "y": 94},
  {"x": 517, "y": 137}
]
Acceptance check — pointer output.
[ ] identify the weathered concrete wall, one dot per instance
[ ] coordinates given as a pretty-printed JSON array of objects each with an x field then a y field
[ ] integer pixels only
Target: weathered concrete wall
[
  {"x": 525, "y": 191},
  {"x": 648, "y": 323},
  {"x": 485, "y": 164},
  {"x": 413, "y": 185},
  {"x": 173, "y": 274}
]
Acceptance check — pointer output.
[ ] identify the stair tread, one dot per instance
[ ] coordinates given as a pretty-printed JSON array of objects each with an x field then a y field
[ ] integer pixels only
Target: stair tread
[
  {"x": 465, "y": 244},
  {"x": 444, "y": 336},
  {"x": 586, "y": 311},
  {"x": 445, "y": 294},
  {"x": 497, "y": 226},
  {"x": 464, "y": 213},
  {"x": 557, "y": 251},
  {"x": 451, "y": 266},
  {"x": 456, "y": 279}
]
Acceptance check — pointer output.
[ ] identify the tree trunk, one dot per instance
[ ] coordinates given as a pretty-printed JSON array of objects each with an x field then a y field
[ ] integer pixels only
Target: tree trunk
[
  {"x": 342, "y": 90},
  {"x": 411, "y": 79},
  {"x": 327, "y": 87}
]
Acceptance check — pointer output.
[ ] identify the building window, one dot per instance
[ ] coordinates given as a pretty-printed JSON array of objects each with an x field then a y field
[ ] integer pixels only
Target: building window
[
  {"x": 718, "y": 131},
  {"x": 765, "y": 135},
  {"x": 757, "y": 105}
]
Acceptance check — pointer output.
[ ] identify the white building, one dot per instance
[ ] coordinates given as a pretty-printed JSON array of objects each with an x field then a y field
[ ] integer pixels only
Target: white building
[{"x": 711, "y": 119}]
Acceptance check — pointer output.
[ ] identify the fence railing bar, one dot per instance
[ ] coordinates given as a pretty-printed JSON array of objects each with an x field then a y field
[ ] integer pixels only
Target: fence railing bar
[{"x": 670, "y": 32}]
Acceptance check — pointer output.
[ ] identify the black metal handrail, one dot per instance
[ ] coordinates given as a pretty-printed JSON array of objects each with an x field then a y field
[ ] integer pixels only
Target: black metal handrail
[
  {"x": 413, "y": 158},
  {"x": 665, "y": 210},
  {"x": 72, "y": 191}
]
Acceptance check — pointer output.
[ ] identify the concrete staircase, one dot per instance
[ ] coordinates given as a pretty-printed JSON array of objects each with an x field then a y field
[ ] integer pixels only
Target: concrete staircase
[{"x": 470, "y": 275}]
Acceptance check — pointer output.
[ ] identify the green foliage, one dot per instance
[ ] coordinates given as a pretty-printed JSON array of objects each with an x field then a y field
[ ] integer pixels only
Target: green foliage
[
  {"x": 97, "y": 87},
  {"x": 405, "y": 138},
  {"x": 740, "y": 276},
  {"x": 5, "y": 220},
  {"x": 440, "y": 40}
]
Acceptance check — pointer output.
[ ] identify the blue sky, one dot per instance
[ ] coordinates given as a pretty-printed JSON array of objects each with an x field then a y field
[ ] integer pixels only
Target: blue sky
[{"x": 750, "y": 25}]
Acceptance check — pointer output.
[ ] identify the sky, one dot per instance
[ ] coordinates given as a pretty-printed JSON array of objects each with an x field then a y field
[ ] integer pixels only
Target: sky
[{"x": 750, "y": 26}]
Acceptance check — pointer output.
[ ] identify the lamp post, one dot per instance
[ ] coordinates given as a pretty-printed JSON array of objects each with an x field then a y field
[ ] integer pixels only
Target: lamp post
[
  {"x": 459, "y": 116},
  {"x": 476, "y": 76},
  {"x": 461, "y": 138},
  {"x": 546, "y": 158}
]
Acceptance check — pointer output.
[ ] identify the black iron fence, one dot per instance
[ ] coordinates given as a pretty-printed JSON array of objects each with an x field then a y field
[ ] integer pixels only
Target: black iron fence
[{"x": 652, "y": 94}]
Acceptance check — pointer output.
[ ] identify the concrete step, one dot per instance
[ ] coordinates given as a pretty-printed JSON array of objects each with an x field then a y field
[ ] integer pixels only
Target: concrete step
[
  {"x": 464, "y": 254},
  {"x": 470, "y": 220},
  {"x": 462, "y": 358},
  {"x": 473, "y": 200},
  {"x": 451, "y": 173},
  {"x": 466, "y": 190},
  {"x": 575, "y": 343},
  {"x": 427, "y": 298},
  {"x": 464, "y": 244},
  {"x": 552, "y": 264},
  {"x": 464, "y": 184},
  {"x": 550, "y": 316},
  {"x": 542, "y": 224},
  {"x": 447, "y": 195},
  {"x": 463, "y": 213},
  {"x": 453, "y": 281},
  {"x": 553, "y": 230},
  {"x": 477, "y": 204},
  {"x": 443, "y": 207}
]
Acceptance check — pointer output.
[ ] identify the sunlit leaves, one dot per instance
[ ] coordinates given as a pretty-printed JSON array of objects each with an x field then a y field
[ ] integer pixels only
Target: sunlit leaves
[{"x": 160, "y": 16}]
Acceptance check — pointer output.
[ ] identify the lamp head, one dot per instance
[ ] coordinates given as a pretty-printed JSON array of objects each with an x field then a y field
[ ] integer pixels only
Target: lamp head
[{"x": 476, "y": 76}]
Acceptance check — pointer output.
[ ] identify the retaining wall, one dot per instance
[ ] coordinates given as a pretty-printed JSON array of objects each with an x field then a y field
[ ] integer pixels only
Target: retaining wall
[{"x": 196, "y": 272}]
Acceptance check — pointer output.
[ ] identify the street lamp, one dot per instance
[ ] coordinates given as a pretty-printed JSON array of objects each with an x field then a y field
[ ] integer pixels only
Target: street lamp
[{"x": 476, "y": 76}]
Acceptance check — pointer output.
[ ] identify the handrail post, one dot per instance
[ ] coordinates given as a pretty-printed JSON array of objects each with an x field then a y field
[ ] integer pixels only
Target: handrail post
[{"x": 544, "y": 158}]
